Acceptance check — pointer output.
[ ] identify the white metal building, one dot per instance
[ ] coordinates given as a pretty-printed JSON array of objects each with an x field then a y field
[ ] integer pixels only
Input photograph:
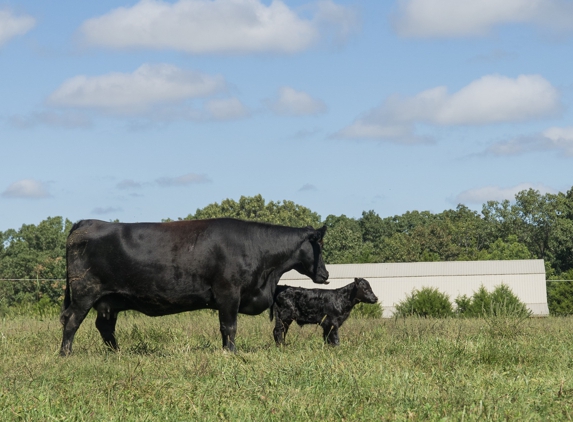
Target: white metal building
[{"x": 391, "y": 282}]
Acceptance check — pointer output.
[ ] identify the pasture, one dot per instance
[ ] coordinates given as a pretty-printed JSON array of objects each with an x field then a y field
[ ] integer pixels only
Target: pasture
[{"x": 172, "y": 368}]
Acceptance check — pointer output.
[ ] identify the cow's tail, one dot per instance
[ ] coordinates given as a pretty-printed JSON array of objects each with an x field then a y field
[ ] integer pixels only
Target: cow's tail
[
  {"x": 67, "y": 301},
  {"x": 67, "y": 298},
  {"x": 67, "y": 292},
  {"x": 272, "y": 311}
]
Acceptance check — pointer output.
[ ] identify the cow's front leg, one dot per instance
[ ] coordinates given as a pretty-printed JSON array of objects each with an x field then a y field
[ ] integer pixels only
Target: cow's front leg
[{"x": 228, "y": 326}]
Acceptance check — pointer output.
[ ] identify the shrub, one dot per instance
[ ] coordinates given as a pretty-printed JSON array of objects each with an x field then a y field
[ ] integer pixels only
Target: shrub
[
  {"x": 500, "y": 302},
  {"x": 367, "y": 310},
  {"x": 463, "y": 305},
  {"x": 427, "y": 302}
]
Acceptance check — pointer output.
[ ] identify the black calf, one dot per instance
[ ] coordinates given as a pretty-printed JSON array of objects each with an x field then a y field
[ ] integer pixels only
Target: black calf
[{"x": 329, "y": 308}]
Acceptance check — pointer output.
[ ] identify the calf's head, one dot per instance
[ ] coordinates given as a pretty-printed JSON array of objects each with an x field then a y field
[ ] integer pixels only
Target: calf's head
[
  {"x": 364, "y": 292},
  {"x": 310, "y": 262}
]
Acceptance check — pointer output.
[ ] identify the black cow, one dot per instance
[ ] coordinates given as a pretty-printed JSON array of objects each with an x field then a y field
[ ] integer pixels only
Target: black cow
[
  {"x": 329, "y": 308},
  {"x": 165, "y": 268}
]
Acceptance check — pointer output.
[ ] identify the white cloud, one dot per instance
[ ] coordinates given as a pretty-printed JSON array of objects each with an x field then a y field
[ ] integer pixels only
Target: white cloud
[
  {"x": 134, "y": 93},
  {"x": 129, "y": 184},
  {"x": 67, "y": 120},
  {"x": 106, "y": 210},
  {"x": 496, "y": 193},
  {"x": 11, "y": 25},
  {"x": 340, "y": 21},
  {"x": 217, "y": 26},
  {"x": 186, "y": 179},
  {"x": 560, "y": 137},
  {"x": 553, "y": 139},
  {"x": 495, "y": 98},
  {"x": 370, "y": 128},
  {"x": 463, "y": 18},
  {"x": 295, "y": 103},
  {"x": 494, "y": 56},
  {"x": 305, "y": 133},
  {"x": 490, "y": 99},
  {"x": 27, "y": 188},
  {"x": 226, "y": 109},
  {"x": 308, "y": 187}
]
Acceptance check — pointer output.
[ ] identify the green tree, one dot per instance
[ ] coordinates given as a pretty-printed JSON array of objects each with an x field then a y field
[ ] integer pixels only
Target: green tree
[
  {"x": 561, "y": 239},
  {"x": 560, "y": 293},
  {"x": 343, "y": 242},
  {"x": 543, "y": 223},
  {"x": 34, "y": 253},
  {"x": 451, "y": 235},
  {"x": 255, "y": 208},
  {"x": 502, "y": 250},
  {"x": 399, "y": 235},
  {"x": 372, "y": 227},
  {"x": 468, "y": 232},
  {"x": 536, "y": 215},
  {"x": 501, "y": 219}
]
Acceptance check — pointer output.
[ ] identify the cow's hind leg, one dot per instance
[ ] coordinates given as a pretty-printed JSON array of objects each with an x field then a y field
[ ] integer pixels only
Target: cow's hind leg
[
  {"x": 71, "y": 318},
  {"x": 105, "y": 323}
]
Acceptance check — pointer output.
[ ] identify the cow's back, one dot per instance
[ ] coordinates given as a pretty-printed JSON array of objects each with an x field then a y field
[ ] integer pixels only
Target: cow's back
[
  {"x": 161, "y": 268},
  {"x": 142, "y": 260}
]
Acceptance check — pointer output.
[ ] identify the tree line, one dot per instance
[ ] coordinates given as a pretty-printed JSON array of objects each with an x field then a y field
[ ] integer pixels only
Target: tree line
[{"x": 534, "y": 225}]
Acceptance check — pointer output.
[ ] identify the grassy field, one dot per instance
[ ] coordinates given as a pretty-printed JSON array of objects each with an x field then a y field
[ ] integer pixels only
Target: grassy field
[{"x": 171, "y": 368}]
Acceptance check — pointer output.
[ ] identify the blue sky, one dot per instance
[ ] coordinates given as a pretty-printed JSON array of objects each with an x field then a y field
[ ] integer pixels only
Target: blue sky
[{"x": 144, "y": 110}]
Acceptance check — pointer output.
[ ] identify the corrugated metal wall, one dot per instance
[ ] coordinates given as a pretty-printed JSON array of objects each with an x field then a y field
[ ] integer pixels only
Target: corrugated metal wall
[{"x": 391, "y": 282}]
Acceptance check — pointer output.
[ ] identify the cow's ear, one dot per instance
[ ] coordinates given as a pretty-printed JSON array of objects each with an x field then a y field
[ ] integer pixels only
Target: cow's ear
[
  {"x": 317, "y": 235},
  {"x": 356, "y": 279}
]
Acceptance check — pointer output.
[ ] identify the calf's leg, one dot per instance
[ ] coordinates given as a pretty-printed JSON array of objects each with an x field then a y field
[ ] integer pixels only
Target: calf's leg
[
  {"x": 330, "y": 334},
  {"x": 280, "y": 330}
]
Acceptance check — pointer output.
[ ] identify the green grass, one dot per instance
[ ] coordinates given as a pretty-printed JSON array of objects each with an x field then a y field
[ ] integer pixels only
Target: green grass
[{"x": 172, "y": 368}]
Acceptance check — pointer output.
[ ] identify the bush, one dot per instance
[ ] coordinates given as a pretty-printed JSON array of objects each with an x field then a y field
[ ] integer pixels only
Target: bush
[
  {"x": 500, "y": 302},
  {"x": 367, "y": 310},
  {"x": 427, "y": 302}
]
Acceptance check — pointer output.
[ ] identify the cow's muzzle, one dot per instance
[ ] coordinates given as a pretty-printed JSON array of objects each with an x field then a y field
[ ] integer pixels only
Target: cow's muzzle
[{"x": 322, "y": 278}]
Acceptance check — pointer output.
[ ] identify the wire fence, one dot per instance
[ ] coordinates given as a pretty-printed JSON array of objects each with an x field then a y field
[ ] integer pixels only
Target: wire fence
[
  {"x": 32, "y": 279},
  {"x": 15, "y": 291},
  {"x": 63, "y": 279}
]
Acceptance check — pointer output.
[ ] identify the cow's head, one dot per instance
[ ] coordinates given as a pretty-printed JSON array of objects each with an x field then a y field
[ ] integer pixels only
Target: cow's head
[
  {"x": 311, "y": 263},
  {"x": 364, "y": 292}
]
